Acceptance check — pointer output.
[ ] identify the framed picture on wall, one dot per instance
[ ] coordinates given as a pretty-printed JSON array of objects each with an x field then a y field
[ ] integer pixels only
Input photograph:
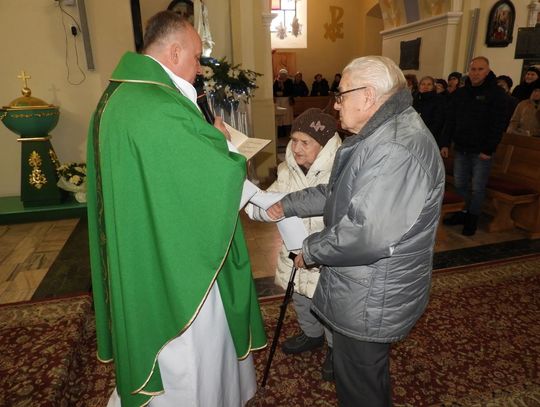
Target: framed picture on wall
[
  {"x": 409, "y": 57},
  {"x": 500, "y": 24}
]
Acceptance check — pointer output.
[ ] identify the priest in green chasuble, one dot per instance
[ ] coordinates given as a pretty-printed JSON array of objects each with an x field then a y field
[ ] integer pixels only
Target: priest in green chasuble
[{"x": 175, "y": 303}]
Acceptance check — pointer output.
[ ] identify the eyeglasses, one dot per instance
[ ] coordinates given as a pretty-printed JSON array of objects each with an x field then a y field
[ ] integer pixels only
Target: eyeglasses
[{"x": 339, "y": 95}]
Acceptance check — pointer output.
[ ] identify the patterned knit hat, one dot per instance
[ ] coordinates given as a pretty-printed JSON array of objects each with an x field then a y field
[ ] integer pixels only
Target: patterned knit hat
[{"x": 317, "y": 124}]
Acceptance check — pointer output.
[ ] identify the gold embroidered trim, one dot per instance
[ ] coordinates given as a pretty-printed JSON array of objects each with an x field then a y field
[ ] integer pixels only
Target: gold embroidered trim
[{"x": 152, "y": 393}]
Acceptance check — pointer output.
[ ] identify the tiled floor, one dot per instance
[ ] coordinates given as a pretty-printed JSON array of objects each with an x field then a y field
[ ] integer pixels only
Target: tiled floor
[{"x": 27, "y": 251}]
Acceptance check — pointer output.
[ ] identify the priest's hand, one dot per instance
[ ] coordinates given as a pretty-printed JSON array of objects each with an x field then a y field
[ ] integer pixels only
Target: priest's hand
[
  {"x": 276, "y": 211},
  {"x": 299, "y": 261},
  {"x": 218, "y": 124}
]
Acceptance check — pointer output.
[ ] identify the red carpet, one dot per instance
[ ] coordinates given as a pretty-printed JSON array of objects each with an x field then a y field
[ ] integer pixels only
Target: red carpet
[{"x": 477, "y": 345}]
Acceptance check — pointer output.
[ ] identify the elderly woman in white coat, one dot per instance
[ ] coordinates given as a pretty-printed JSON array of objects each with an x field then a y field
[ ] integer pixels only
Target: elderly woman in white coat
[{"x": 308, "y": 162}]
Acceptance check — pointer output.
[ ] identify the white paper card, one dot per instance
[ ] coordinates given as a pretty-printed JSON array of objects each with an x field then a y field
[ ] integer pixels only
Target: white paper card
[
  {"x": 293, "y": 232},
  {"x": 265, "y": 199},
  {"x": 249, "y": 190},
  {"x": 247, "y": 146}
]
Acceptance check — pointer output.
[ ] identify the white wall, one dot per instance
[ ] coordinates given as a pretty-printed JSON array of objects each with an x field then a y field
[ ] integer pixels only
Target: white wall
[
  {"x": 438, "y": 41},
  {"x": 34, "y": 40},
  {"x": 444, "y": 48},
  {"x": 502, "y": 60}
]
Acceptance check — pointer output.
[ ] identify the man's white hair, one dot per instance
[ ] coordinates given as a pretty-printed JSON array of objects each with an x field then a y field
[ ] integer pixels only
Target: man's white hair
[{"x": 380, "y": 73}]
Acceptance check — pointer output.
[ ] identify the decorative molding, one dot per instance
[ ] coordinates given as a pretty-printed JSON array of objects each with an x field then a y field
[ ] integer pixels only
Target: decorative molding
[
  {"x": 267, "y": 19},
  {"x": 450, "y": 18}
]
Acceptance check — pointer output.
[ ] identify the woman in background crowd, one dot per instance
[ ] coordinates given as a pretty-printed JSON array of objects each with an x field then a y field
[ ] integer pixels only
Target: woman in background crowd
[
  {"x": 430, "y": 106},
  {"x": 283, "y": 97},
  {"x": 505, "y": 82},
  {"x": 441, "y": 86},
  {"x": 526, "y": 118},
  {"x": 299, "y": 86},
  {"x": 524, "y": 89},
  {"x": 454, "y": 81},
  {"x": 335, "y": 85},
  {"x": 320, "y": 86}
]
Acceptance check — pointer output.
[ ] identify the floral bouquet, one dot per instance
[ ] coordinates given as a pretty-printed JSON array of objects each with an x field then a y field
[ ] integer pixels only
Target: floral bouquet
[
  {"x": 72, "y": 178},
  {"x": 225, "y": 84}
]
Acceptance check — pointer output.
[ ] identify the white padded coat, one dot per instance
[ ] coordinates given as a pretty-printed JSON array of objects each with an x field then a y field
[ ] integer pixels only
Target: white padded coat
[{"x": 290, "y": 178}]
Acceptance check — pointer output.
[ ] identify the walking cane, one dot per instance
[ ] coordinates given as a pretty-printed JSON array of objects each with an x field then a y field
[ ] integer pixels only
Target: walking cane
[{"x": 283, "y": 309}]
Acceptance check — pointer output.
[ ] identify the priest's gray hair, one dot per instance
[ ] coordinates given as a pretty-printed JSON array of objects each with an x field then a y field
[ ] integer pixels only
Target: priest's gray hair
[
  {"x": 378, "y": 72},
  {"x": 160, "y": 26}
]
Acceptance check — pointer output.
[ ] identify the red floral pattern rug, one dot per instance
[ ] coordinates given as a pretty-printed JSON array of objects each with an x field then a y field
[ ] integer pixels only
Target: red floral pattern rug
[
  {"x": 478, "y": 344},
  {"x": 48, "y": 355}
]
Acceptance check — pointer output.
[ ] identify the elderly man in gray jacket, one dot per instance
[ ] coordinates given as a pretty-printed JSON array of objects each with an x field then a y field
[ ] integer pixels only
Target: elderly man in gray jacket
[{"x": 381, "y": 208}]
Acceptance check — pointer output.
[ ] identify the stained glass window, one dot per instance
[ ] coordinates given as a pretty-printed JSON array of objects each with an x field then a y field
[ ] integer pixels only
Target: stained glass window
[{"x": 285, "y": 14}]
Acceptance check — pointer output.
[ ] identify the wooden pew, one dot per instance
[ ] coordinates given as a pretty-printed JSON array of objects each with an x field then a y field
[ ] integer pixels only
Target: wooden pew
[
  {"x": 302, "y": 103},
  {"x": 514, "y": 185},
  {"x": 513, "y": 190}
]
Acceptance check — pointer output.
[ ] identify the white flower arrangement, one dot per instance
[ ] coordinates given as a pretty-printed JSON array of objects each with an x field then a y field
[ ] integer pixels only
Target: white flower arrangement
[
  {"x": 224, "y": 83},
  {"x": 207, "y": 72},
  {"x": 72, "y": 178}
]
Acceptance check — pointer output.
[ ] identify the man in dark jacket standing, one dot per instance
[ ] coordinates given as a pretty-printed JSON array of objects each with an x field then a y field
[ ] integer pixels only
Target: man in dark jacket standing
[
  {"x": 381, "y": 208},
  {"x": 475, "y": 121}
]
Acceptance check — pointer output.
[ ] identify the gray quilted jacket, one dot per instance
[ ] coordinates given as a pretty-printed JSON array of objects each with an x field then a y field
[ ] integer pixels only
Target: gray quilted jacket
[{"x": 381, "y": 208}]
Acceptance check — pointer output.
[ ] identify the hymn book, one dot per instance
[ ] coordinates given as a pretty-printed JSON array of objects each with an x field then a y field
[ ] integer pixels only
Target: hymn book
[{"x": 247, "y": 146}]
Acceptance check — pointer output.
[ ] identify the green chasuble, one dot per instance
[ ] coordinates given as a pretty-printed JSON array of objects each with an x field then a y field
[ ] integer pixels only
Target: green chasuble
[{"x": 163, "y": 200}]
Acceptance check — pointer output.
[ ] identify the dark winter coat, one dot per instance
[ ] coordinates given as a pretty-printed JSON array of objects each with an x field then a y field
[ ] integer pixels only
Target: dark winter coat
[
  {"x": 476, "y": 117},
  {"x": 431, "y": 108},
  {"x": 286, "y": 90},
  {"x": 300, "y": 89},
  {"x": 523, "y": 90},
  {"x": 320, "y": 88}
]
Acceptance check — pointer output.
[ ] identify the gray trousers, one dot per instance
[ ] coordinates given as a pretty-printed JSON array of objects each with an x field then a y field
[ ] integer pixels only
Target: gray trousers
[
  {"x": 308, "y": 322},
  {"x": 362, "y": 372}
]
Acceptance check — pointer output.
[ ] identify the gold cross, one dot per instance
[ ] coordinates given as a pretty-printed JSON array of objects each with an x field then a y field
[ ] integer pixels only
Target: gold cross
[{"x": 23, "y": 77}]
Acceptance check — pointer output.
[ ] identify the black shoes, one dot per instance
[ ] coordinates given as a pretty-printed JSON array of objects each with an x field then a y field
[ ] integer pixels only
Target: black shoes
[
  {"x": 468, "y": 221},
  {"x": 301, "y": 343},
  {"x": 457, "y": 218},
  {"x": 328, "y": 366},
  {"x": 470, "y": 225}
]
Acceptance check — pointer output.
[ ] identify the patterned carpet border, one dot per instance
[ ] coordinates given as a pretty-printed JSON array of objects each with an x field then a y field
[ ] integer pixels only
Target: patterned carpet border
[{"x": 485, "y": 263}]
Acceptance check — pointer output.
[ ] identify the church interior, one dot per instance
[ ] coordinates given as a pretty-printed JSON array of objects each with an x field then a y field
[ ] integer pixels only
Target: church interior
[{"x": 65, "y": 51}]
